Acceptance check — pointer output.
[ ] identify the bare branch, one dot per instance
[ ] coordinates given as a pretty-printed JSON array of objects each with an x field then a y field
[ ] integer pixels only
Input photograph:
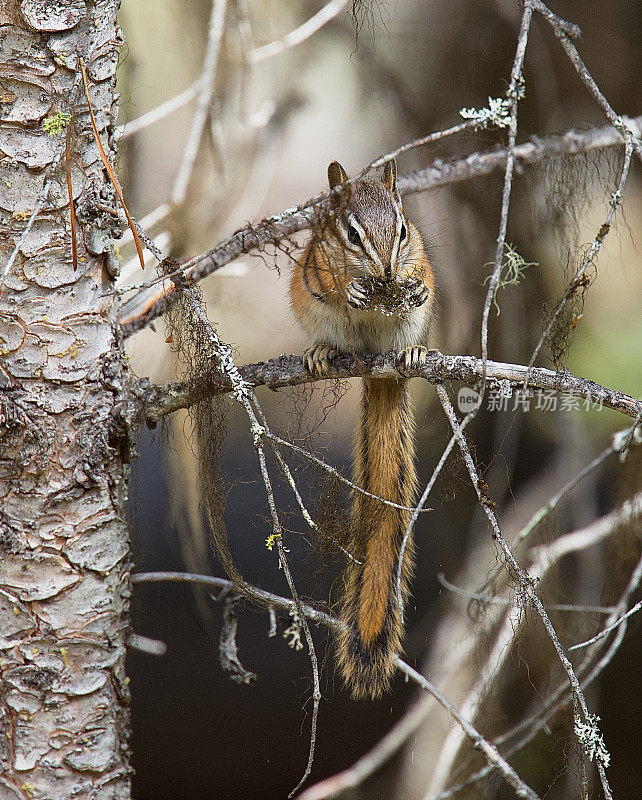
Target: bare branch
[
  {"x": 300, "y": 34},
  {"x": 560, "y": 697},
  {"x": 588, "y": 536},
  {"x": 150, "y": 403},
  {"x": 564, "y": 32},
  {"x": 335, "y": 473},
  {"x": 144, "y": 644},
  {"x": 577, "y": 609},
  {"x": 369, "y": 763},
  {"x": 160, "y": 112},
  {"x": 609, "y": 628},
  {"x": 476, "y": 739},
  {"x": 621, "y": 441},
  {"x": 204, "y": 101},
  {"x": 569, "y": 28},
  {"x": 243, "y": 394},
  {"x": 227, "y": 649},
  {"x": 417, "y": 511},
  {"x": 260, "y": 596},
  {"x": 431, "y": 138}
]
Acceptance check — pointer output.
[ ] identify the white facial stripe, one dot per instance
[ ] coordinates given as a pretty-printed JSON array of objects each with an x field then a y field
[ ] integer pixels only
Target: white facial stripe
[{"x": 397, "y": 243}]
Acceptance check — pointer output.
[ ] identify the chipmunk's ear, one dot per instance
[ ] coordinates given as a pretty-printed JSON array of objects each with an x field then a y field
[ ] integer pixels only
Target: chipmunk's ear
[
  {"x": 336, "y": 174},
  {"x": 389, "y": 178},
  {"x": 389, "y": 175}
]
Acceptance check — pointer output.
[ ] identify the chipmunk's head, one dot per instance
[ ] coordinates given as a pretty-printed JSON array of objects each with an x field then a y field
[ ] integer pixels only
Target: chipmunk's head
[{"x": 371, "y": 226}]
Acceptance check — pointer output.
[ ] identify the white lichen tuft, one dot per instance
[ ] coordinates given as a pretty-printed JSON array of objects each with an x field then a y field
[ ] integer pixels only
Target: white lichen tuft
[
  {"x": 497, "y": 113},
  {"x": 258, "y": 432},
  {"x": 591, "y": 739},
  {"x": 293, "y": 632}
]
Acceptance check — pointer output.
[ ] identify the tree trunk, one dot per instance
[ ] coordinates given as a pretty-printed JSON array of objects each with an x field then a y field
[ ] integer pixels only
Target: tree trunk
[{"x": 64, "y": 569}]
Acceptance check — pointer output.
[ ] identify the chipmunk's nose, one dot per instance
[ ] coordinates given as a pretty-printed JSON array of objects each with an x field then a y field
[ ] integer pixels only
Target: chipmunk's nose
[{"x": 388, "y": 272}]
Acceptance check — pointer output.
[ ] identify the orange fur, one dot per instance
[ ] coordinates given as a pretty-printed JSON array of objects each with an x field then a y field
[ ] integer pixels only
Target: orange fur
[
  {"x": 384, "y": 466},
  {"x": 384, "y": 450}
]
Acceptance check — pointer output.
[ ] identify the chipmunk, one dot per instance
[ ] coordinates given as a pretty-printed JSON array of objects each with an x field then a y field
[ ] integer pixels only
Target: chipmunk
[{"x": 365, "y": 285}]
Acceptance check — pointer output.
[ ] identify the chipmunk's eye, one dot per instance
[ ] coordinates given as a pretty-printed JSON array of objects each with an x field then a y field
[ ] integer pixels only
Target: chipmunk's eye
[
  {"x": 353, "y": 235},
  {"x": 402, "y": 233}
]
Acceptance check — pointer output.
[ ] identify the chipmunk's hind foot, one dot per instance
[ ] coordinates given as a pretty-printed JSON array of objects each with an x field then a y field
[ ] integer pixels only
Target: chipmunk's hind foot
[
  {"x": 318, "y": 360},
  {"x": 412, "y": 358}
]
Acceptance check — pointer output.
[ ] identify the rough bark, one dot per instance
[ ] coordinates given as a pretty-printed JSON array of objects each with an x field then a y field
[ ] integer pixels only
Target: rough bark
[{"x": 64, "y": 569}]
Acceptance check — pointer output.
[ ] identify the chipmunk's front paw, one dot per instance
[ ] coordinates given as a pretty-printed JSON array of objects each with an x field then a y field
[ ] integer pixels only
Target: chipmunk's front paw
[
  {"x": 411, "y": 358},
  {"x": 357, "y": 295},
  {"x": 318, "y": 360},
  {"x": 418, "y": 293}
]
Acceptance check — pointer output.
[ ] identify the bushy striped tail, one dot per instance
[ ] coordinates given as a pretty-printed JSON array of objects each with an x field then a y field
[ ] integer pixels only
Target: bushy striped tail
[{"x": 383, "y": 465}]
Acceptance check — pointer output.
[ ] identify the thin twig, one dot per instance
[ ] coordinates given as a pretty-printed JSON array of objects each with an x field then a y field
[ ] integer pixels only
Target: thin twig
[
  {"x": 565, "y": 35},
  {"x": 203, "y": 103},
  {"x": 260, "y": 596},
  {"x": 244, "y": 395},
  {"x": 335, "y": 473},
  {"x": 144, "y": 644},
  {"x": 289, "y": 479},
  {"x": 415, "y": 515},
  {"x": 560, "y": 697},
  {"x": 569, "y": 28},
  {"x": 227, "y": 647},
  {"x": 438, "y": 136},
  {"x": 301, "y": 620},
  {"x": 383, "y": 750},
  {"x": 609, "y": 628},
  {"x": 515, "y": 92},
  {"x": 579, "y": 609},
  {"x": 300, "y": 34},
  {"x": 526, "y": 582},
  {"x": 586, "y": 537},
  {"x": 158, "y": 113},
  {"x": 620, "y": 442},
  {"x": 474, "y": 737},
  {"x": 369, "y": 763}
]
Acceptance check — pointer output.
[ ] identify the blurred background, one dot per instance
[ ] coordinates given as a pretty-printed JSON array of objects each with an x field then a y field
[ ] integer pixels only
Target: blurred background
[{"x": 277, "y": 120}]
